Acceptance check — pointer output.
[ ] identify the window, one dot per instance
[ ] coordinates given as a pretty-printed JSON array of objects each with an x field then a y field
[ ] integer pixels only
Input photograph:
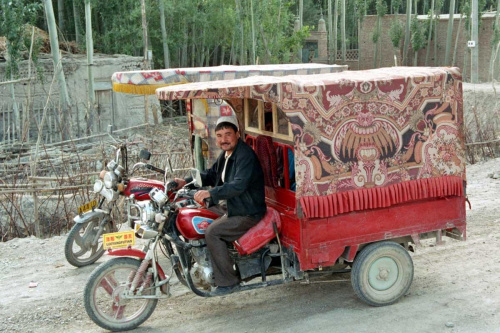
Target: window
[{"x": 266, "y": 118}]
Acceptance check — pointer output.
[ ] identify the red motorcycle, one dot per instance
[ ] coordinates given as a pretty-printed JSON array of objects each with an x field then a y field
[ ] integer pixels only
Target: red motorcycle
[
  {"x": 84, "y": 243},
  {"x": 123, "y": 292}
]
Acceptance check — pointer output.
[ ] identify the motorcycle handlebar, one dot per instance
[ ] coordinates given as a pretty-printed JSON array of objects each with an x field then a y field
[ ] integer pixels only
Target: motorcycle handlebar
[{"x": 153, "y": 168}]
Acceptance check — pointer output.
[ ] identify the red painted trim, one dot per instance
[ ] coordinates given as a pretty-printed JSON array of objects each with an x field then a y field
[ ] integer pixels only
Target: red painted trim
[
  {"x": 331, "y": 235},
  {"x": 135, "y": 253},
  {"x": 380, "y": 197}
]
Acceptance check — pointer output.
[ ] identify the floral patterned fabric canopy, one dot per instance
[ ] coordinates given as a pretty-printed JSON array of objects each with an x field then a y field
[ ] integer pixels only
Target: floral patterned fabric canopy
[
  {"x": 146, "y": 82},
  {"x": 363, "y": 139}
]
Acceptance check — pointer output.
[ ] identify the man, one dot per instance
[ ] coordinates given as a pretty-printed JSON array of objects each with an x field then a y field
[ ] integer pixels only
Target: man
[{"x": 238, "y": 195}]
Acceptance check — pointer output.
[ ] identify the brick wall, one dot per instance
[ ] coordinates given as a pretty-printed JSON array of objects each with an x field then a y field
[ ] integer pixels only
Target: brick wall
[{"x": 386, "y": 52}]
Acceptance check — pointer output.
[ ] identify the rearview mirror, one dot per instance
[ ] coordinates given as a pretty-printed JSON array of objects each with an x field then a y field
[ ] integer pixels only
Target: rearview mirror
[
  {"x": 195, "y": 174},
  {"x": 144, "y": 154}
]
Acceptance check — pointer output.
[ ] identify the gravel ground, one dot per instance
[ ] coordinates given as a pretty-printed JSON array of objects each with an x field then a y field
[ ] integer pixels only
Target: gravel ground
[{"x": 455, "y": 289}]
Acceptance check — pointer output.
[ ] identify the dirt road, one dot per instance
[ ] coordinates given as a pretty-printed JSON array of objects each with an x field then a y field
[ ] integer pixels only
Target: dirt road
[{"x": 455, "y": 289}]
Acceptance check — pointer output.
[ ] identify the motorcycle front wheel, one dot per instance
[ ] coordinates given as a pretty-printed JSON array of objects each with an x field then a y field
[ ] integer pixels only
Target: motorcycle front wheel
[
  {"x": 104, "y": 296},
  {"x": 78, "y": 249}
]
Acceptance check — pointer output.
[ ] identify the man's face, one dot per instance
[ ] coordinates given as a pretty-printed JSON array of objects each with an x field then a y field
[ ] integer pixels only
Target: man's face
[{"x": 227, "y": 139}]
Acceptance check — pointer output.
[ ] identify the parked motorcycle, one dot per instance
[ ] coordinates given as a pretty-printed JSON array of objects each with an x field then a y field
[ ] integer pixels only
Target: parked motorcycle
[
  {"x": 84, "y": 243},
  {"x": 122, "y": 293}
]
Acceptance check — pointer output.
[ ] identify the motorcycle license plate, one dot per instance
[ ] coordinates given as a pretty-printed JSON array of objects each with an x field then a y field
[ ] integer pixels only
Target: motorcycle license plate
[
  {"x": 116, "y": 240},
  {"x": 88, "y": 206}
]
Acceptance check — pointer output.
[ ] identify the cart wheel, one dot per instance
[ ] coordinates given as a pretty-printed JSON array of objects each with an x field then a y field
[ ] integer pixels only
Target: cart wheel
[{"x": 382, "y": 273}]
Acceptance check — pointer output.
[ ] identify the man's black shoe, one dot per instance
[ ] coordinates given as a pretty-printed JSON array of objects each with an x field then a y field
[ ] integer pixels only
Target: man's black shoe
[{"x": 220, "y": 291}]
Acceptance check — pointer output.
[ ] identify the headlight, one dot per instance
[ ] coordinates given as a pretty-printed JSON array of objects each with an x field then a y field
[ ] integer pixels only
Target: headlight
[
  {"x": 119, "y": 171},
  {"x": 147, "y": 214},
  {"x": 158, "y": 196},
  {"x": 111, "y": 165},
  {"x": 110, "y": 180},
  {"x": 98, "y": 185},
  {"x": 107, "y": 193}
]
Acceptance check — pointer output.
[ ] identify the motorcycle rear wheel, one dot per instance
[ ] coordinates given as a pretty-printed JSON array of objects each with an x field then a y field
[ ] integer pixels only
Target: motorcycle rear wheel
[
  {"x": 78, "y": 249},
  {"x": 104, "y": 301}
]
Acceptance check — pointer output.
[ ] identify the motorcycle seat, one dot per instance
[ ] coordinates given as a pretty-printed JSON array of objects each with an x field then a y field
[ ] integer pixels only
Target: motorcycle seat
[{"x": 260, "y": 234}]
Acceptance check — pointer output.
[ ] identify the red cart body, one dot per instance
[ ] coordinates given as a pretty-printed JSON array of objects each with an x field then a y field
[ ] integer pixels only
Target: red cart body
[{"x": 353, "y": 158}]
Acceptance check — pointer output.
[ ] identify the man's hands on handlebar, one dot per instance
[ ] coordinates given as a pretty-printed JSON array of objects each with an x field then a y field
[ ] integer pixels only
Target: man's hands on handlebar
[
  {"x": 199, "y": 196},
  {"x": 180, "y": 183}
]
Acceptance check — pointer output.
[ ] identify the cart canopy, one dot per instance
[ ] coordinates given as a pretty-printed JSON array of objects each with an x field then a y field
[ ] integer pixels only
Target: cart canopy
[
  {"x": 146, "y": 82},
  {"x": 362, "y": 139}
]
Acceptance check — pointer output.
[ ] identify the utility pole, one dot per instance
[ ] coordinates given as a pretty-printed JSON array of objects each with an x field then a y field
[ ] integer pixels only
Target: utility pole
[
  {"x": 475, "y": 50},
  {"x": 90, "y": 62}
]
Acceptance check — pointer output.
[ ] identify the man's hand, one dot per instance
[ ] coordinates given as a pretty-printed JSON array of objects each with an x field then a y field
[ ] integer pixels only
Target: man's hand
[
  {"x": 180, "y": 183},
  {"x": 201, "y": 195}
]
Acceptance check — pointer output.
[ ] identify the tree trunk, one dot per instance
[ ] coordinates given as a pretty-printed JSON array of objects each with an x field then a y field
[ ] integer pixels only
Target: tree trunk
[
  {"x": 90, "y": 64},
  {"x": 58, "y": 69},
  {"x": 376, "y": 51},
  {"x": 430, "y": 34},
  {"x": 301, "y": 24},
  {"x": 60, "y": 15},
  {"x": 436, "y": 62},
  {"x": 207, "y": 57},
  {"x": 193, "y": 48},
  {"x": 267, "y": 58},
  {"x": 223, "y": 54},
  {"x": 232, "y": 53},
  {"x": 242, "y": 43},
  {"x": 342, "y": 32},
  {"x": 253, "y": 32},
  {"x": 335, "y": 25},
  {"x": 330, "y": 32},
  {"x": 147, "y": 64},
  {"x": 215, "y": 55},
  {"x": 450, "y": 33},
  {"x": 456, "y": 40},
  {"x": 407, "y": 32},
  {"x": 76, "y": 18},
  {"x": 491, "y": 74},
  {"x": 184, "y": 44},
  {"x": 474, "y": 72},
  {"x": 166, "y": 52}
]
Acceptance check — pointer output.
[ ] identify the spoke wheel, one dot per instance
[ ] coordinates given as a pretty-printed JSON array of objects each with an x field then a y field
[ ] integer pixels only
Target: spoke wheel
[
  {"x": 105, "y": 300},
  {"x": 78, "y": 249},
  {"x": 382, "y": 273}
]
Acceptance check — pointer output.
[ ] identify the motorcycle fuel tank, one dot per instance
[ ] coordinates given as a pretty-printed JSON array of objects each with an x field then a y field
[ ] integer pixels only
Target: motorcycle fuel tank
[
  {"x": 141, "y": 187},
  {"x": 192, "y": 223}
]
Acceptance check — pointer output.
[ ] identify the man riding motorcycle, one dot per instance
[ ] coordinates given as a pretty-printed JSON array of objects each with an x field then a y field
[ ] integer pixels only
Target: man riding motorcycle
[{"x": 238, "y": 196}]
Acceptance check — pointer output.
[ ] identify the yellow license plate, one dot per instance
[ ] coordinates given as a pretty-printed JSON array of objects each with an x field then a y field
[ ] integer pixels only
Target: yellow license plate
[
  {"x": 116, "y": 240},
  {"x": 88, "y": 206}
]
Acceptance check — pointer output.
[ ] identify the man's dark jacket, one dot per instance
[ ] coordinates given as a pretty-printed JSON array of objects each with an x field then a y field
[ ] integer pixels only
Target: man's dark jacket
[{"x": 243, "y": 186}]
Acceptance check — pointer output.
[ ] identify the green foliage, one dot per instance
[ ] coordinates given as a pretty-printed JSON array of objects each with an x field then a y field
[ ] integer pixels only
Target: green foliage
[
  {"x": 381, "y": 8},
  {"x": 418, "y": 33},
  {"x": 396, "y": 32},
  {"x": 15, "y": 16},
  {"x": 395, "y": 4},
  {"x": 201, "y": 29}
]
